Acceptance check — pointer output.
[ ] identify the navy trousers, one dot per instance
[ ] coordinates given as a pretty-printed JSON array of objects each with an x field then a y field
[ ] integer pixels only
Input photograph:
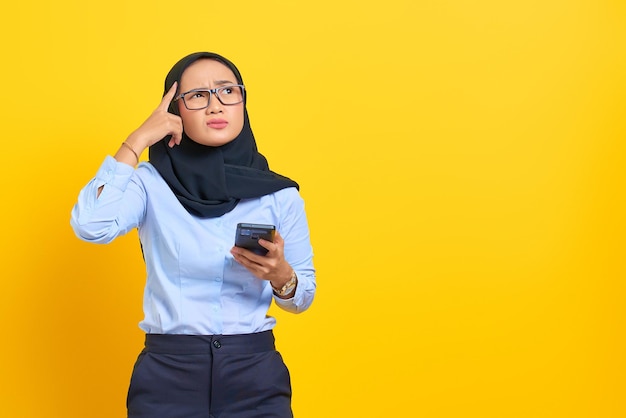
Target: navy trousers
[{"x": 210, "y": 376}]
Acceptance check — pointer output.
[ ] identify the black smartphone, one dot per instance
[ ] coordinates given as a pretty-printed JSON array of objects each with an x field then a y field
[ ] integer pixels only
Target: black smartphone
[{"x": 248, "y": 235}]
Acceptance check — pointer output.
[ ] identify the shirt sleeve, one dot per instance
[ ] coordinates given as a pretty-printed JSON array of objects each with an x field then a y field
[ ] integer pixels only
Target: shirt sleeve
[
  {"x": 298, "y": 251},
  {"x": 118, "y": 209}
]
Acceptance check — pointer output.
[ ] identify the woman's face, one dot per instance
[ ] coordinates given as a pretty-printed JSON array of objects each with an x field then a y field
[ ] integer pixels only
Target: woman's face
[{"x": 217, "y": 124}]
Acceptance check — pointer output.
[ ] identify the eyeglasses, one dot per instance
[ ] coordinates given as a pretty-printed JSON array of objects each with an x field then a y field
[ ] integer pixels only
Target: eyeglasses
[{"x": 197, "y": 99}]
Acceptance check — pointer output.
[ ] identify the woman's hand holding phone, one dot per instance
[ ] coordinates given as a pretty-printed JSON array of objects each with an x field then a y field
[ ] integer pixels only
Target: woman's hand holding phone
[{"x": 271, "y": 267}]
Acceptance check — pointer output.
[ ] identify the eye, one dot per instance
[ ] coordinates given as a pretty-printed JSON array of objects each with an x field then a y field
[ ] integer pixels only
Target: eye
[
  {"x": 196, "y": 95},
  {"x": 227, "y": 90}
]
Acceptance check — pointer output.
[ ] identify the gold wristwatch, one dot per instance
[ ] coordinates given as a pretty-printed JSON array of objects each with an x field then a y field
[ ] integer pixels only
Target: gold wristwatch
[{"x": 287, "y": 287}]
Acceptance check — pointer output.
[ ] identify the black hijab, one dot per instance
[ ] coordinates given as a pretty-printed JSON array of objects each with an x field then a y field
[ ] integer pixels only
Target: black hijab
[{"x": 210, "y": 181}]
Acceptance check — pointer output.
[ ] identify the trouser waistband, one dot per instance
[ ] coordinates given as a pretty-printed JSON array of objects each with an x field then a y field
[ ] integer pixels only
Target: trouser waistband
[{"x": 201, "y": 344}]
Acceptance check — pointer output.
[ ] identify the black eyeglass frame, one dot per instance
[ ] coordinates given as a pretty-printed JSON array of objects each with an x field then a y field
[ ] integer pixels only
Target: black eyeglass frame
[{"x": 213, "y": 92}]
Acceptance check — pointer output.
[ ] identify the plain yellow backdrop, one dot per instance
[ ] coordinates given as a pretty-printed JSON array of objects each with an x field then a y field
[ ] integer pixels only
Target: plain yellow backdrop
[{"x": 463, "y": 167}]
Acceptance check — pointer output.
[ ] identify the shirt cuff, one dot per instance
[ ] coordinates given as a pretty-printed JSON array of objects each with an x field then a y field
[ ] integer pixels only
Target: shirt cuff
[{"x": 114, "y": 173}]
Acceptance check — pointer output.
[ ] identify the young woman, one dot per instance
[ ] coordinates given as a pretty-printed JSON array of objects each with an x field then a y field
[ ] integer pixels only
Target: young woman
[{"x": 209, "y": 349}]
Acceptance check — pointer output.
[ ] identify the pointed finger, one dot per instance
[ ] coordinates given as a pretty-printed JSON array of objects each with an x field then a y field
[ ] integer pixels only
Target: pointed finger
[{"x": 169, "y": 96}]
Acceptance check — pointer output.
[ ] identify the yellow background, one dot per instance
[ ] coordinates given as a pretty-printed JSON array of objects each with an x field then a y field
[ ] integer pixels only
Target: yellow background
[{"x": 463, "y": 167}]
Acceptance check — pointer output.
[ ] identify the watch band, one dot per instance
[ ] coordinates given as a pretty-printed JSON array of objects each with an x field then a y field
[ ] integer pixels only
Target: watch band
[{"x": 287, "y": 287}]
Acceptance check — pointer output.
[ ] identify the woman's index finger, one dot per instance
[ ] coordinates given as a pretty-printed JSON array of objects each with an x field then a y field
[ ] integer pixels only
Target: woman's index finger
[{"x": 169, "y": 96}]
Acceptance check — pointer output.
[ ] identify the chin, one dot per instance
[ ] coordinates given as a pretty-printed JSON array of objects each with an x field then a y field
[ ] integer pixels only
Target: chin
[{"x": 212, "y": 142}]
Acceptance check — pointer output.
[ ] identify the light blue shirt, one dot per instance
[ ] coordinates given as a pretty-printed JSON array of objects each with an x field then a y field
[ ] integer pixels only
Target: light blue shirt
[{"x": 193, "y": 285}]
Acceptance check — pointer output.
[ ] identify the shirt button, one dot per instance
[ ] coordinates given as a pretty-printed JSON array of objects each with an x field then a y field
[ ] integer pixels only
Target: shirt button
[
  {"x": 217, "y": 344},
  {"x": 218, "y": 279}
]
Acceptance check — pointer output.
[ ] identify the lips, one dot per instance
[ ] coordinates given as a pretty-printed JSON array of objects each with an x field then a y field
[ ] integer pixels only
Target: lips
[{"x": 217, "y": 123}]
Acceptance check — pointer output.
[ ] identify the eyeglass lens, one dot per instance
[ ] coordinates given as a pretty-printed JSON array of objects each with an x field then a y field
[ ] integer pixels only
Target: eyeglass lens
[{"x": 199, "y": 99}]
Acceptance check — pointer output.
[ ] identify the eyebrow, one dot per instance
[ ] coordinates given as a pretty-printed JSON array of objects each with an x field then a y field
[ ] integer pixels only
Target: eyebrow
[
  {"x": 224, "y": 82},
  {"x": 217, "y": 83}
]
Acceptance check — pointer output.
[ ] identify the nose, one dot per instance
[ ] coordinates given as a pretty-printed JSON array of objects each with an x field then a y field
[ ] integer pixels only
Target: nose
[{"x": 215, "y": 106}]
